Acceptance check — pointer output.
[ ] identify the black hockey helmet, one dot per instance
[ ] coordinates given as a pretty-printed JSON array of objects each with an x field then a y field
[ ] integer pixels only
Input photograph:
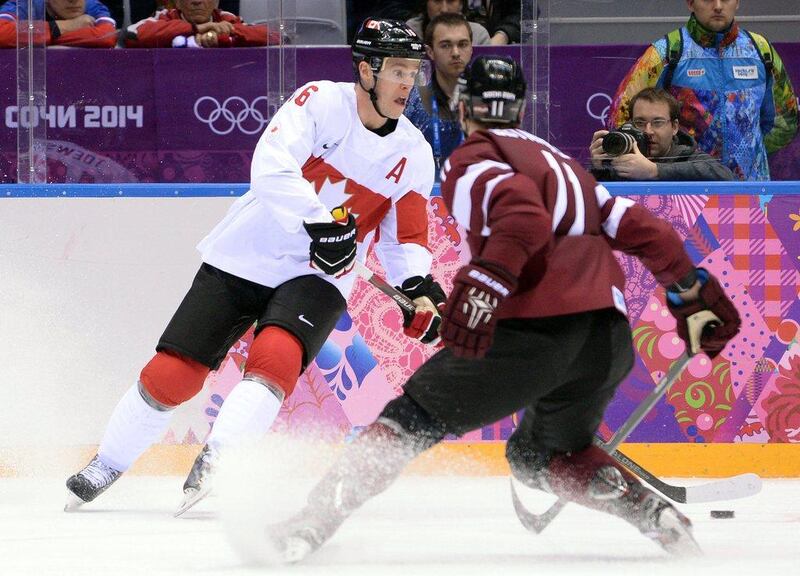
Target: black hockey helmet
[
  {"x": 380, "y": 38},
  {"x": 493, "y": 90}
]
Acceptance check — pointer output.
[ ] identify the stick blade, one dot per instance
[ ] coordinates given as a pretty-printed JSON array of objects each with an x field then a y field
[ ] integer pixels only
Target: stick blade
[{"x": 732, "y": 488}]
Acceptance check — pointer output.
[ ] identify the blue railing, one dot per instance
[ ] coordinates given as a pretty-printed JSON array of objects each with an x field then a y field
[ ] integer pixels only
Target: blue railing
[{"x": 232, "y": 190}]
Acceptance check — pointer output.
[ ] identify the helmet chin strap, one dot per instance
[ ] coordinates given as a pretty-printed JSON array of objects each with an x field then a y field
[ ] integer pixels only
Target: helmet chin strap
[{"x": 373, "y": 97}]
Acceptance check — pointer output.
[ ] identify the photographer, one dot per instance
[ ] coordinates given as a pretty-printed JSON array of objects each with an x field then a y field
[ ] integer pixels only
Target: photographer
[
  {"x": 737, "y": 100},
  {"x": 651, "y": 147}
]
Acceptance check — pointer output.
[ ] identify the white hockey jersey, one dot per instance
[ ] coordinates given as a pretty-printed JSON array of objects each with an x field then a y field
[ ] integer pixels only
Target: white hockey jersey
[{"x": 315, "y": 155}]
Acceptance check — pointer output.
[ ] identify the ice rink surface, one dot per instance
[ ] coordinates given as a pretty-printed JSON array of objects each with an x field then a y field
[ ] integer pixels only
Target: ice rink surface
[{"x": 422, "y": 525}]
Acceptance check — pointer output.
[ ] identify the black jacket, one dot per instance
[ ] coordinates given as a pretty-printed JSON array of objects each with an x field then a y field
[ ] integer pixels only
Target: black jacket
[{"x": 683, "y": 162}]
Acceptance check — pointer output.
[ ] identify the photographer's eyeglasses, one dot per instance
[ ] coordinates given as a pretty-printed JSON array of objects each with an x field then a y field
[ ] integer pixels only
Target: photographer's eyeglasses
[{"x": 656, "y": 124}]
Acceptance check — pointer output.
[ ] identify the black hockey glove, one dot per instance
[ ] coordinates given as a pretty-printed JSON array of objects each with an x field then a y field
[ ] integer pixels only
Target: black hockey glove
[
  {"x": 429, "y": 298},
  {"x": 333, "y": 246},
  {"x": 712, "y": 297},
  {"x": 469, "y": 318}
]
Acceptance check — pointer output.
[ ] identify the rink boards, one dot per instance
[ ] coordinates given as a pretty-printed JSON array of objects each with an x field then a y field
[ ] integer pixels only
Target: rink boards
[{"x": 89, "y": 280}]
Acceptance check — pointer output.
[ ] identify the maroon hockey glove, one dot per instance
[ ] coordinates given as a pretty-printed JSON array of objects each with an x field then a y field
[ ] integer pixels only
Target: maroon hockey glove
[
  {"x": 712, "y": 297},
  {"x": 424, "y": 324},
  {"x": 469, "y": 318},
  {"x": 333, "y": 245}
]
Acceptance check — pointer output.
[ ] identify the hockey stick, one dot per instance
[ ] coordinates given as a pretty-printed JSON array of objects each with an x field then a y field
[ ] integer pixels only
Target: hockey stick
[
  {"x": 731, "y": 488},
  {"x": 740, "y": 486},
  {"x": 340, "y": 214},
  {"x": 696, "y": 323},
  {"x": 402, "y": 300}
]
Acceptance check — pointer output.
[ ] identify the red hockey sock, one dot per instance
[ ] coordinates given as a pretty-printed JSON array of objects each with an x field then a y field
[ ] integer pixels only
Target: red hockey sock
[
  {"x": 172, "y": 379},
  {"x": 276, "y": 356}
]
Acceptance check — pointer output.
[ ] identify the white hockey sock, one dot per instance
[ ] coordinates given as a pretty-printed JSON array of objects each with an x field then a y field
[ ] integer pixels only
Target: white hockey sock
[
  {"x": 247, "y": 413},
  {"x": 133, "y": 427}
]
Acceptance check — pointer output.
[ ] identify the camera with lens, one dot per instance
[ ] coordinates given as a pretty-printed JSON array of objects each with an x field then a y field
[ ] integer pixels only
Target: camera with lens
[{"x": 624, "y": 140}]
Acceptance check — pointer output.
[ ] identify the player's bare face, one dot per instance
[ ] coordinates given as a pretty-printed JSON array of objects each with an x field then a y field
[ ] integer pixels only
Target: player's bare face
[
  {"x": 394, "y": 84},
  {"x": 652, "y": 118},
  {"x": 197, "y": 11},
  {"x": 714, "y": 15},
  {"x": 66, "y": 9}
]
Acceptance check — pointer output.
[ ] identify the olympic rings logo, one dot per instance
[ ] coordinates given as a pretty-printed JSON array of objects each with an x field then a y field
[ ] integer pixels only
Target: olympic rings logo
[
  {"x": 233, "y": 113},
  {"x": 592, "y": 108}
]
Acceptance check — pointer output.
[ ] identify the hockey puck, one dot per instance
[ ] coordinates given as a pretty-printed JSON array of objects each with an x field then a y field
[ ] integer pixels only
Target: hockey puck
[{"x": 722, "y": 513}]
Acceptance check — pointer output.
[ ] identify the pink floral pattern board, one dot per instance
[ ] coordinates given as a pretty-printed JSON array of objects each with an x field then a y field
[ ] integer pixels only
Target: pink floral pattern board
[{"x": 750, "y": 393}]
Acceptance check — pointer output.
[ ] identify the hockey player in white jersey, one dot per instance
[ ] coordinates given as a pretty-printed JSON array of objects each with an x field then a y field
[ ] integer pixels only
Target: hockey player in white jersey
[{"x": 280, "y": 260}]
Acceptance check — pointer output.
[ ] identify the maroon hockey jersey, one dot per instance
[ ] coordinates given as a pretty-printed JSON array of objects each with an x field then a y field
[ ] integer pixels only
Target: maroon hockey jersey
[{"x": 537, "y": 213}]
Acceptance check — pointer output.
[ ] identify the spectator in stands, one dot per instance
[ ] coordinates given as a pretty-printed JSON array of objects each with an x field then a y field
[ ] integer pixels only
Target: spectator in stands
[
  {"x": 672, "y": 155},
  {"x": 196, "y": 24},
  {"x": 141, "y": 9},
  {"x": 448, "y": 42},
  {"x": 499, "y": 17},
  {"x": 736, "y": 98},
  {"x": 82, "y": 23},
  {"x": 429, "y": 9}
]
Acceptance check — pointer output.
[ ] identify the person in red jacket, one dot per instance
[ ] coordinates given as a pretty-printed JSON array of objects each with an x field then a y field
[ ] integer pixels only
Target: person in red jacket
[
  {"x": 80, "y": 23},
  {"x": 196, "y": 24},
  {"x": 536, "y": 320}
]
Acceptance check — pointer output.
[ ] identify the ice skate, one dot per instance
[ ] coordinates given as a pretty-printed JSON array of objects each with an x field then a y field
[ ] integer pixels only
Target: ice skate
[
  {"x": 298, "y": 537},
  {"x": 199, "y": 483},
  {"x": 293, "y": 547},
  {"x": 89, "y": 483},
  {"x": 654, "y": 516},
  {"x": 661, "y": 522}
]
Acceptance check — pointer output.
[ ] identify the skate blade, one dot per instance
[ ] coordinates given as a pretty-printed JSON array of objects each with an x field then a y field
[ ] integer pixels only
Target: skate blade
[
  {"x": 190, "y": 498},
  {"x": 73, "y": 502},
  {"x": 295, "y": 550},
  {"x": 684, "y": 545}
]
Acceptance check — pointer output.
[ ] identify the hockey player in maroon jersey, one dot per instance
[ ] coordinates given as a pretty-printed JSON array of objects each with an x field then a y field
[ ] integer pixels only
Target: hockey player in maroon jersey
[{"x": 536, "y": 320}]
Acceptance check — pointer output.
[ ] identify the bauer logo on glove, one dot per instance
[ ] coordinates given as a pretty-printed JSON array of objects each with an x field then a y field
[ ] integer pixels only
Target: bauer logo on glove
[
  {"x": 489, "y": 282},
  {"x": 333, "y": 244}
]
